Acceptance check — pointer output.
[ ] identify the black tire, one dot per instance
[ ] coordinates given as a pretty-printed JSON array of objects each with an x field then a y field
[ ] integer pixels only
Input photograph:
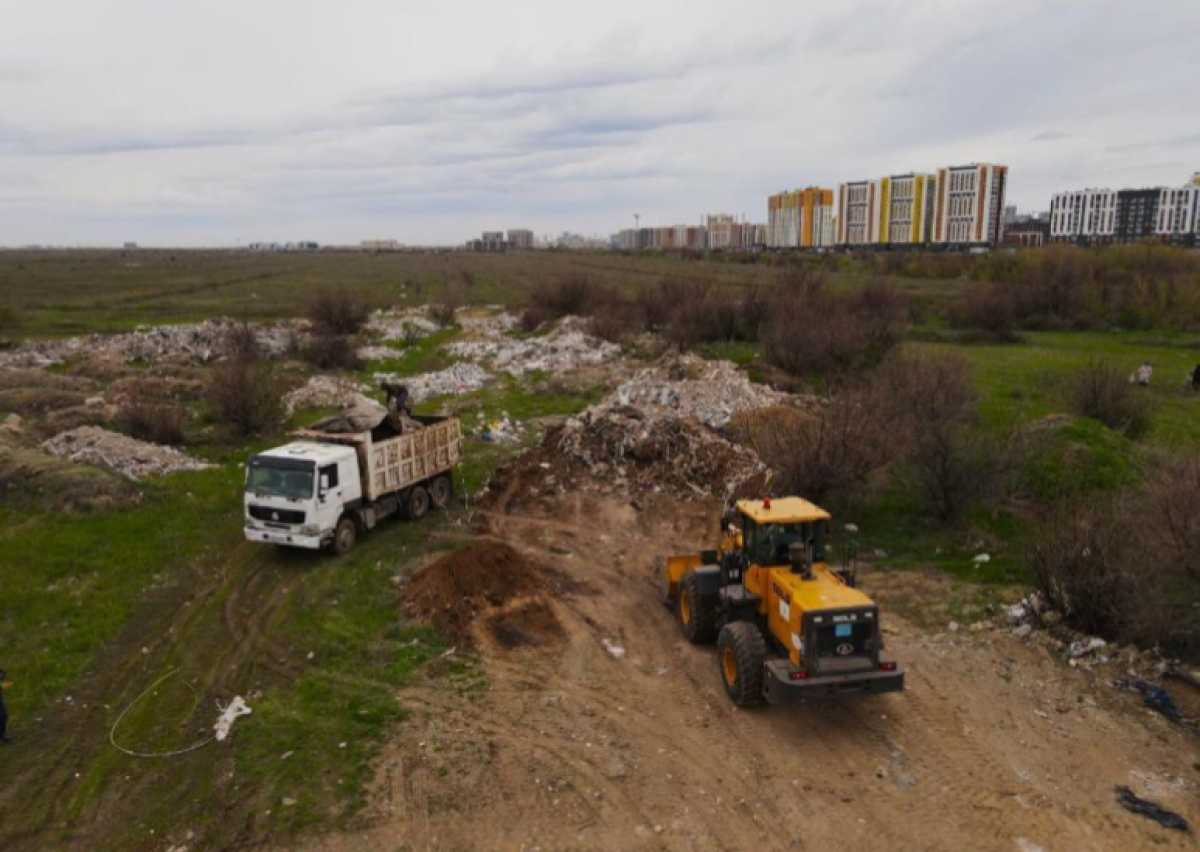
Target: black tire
[
  {"x": 741, "y": 653},
  {"x": 440, "y": 491},
  {"x": 345, "y": 536},
  {"x": 697, "y": 612},
  {"x": 417, "y": 504}
]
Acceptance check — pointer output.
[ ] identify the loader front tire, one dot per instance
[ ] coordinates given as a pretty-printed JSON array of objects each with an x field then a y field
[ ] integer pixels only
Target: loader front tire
[
  {"x": 697, "y": 612},
  {"x": 742, "y": 653}
]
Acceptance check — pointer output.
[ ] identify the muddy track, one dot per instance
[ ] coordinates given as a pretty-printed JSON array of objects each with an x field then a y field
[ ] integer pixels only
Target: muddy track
[{"x": 995, "y": 744}]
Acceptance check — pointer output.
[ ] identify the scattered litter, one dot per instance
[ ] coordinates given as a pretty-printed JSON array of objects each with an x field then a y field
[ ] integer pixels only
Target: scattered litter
[
  {"x": 1018, "y": 613},
  {"x": 503, "y": 430},
  {"x": 286, "y": 755},
  {"x": 127, "y": 456},
  {"x": 455, "y": 380},
  {"x": 1023, "y": 630},
  {"x": 1086, "y": 646},
  {"x": 1155, "y": 697},
  {"x": 567, "y": 347},
  {"x": 327, "y": 392},
  {"x": 952, "y": 627},
  {"x": 288, "y": 802},
  {"x": 408, "y": 325},
  {"x": 982, "y": 558},
  {"x": 376, "y": 353},
  {"x": 186, "y": 343},
  {"x": 689, "y": 386},
  {"x": 229, "y": 714},
  {"x": 487, "y": 324},
  {"x": 615, "y": 650},
  {"x": 1127, "y": 799},
  {"x": 850, "y": 528}
]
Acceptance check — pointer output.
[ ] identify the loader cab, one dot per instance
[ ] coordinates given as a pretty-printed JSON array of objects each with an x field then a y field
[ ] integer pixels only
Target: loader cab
[{"x": 776, "y": 532}]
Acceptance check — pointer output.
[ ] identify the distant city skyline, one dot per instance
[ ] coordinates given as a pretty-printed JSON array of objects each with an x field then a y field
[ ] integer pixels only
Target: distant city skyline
[{"x": 225, "y": 123}]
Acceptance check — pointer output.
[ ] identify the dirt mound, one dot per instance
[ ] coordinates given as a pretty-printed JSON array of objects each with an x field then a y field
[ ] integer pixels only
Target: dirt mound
[
  {"x": 532, "y": 624},
  {"x": 620, "y": 449},
  {"x": 30, "y": 477},
  {"x": 453, "y": 591},
  {"x": 119, "y": 453}
]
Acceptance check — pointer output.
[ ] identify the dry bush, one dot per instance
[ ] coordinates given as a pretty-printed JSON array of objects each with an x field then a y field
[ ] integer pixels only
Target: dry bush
[
  {"x": 534, "y": 316},
  {"x": 246, "y": 395},
  {"x": 1102, "y": 392},
  {"x": 337, "y": 311},
  {"x": 616, "y": 320},
  {"x": 150, "y": 419},
  {"x": 1170, "y": 516},
  {"x": 987, "y": 307},
  {"x": 241, "y": 343},
  {"x": 572, "y": 293},
  {"x": 331, "y": 352},
  {"x": 707, "y": 314},
  {"x": 658, "y": 302}
]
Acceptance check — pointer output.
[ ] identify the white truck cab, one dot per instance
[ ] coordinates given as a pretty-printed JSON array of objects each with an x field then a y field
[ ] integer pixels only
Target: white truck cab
[{"x": 297, "y": 493}]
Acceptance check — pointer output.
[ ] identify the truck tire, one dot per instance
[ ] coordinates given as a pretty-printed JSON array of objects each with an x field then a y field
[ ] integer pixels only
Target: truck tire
[
  {"x": 344, "y": 536},
  {"x": 697, "y": 612},
  {"x": 439, "y": 492},
  {"x": 742, "y": 653},
  {"x": 417, "y": 504}
]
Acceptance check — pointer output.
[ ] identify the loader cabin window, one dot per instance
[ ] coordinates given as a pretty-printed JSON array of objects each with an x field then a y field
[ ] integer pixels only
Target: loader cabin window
[
  {"x": 767, "y": 544},
  {"x": 275, "y": 477}
]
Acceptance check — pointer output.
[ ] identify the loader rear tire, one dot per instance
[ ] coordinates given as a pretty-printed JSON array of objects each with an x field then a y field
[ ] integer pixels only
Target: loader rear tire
[
  {"x": 417, "y": 504},
  {"x": 697, "y": 612},
  {"x": 742, "y": 653}
]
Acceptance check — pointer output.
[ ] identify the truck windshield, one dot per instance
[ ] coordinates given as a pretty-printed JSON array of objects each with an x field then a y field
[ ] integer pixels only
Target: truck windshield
[
  {"x": 769, "y": 542},
  {"x": 280, "y": 478}
]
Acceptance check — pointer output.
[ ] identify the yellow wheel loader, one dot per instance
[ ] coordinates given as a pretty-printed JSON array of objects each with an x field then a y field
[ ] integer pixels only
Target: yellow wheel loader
[{"x": 787, "y": 625}]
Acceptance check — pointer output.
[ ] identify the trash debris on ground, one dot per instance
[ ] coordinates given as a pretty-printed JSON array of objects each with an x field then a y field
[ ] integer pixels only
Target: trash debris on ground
[
  {"x": 1084, "y": 647},
  {"x": 1130, "y": 801},
  {"x": 127, "y": 456},
  {"x": 327, "y": 392},
  {"x": 1154, "y": 697},
  {"x": 455, "y": 380},
  {"x": 614, "y": 650},
  {"x": 407, "y": 325},
  {"x": 502, "y": 430},
  {"x": 689, "y": 386},
  {"x": 566, "y": 347},
  {"x": 229, "y": 714},
  {"x": 377, "y": 353},
  {"x": 492, "y": 322},
  {"x": 982, "y": 558},
  {"x": 187, "y": 342}
]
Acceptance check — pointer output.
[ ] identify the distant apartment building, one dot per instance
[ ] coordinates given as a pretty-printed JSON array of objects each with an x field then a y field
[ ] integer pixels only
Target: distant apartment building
[
  {"x": 380, "y": 245},
  {"x": 1098, "y": 216},
  {"x": 492, "y": 241},
  {"x": 893, "y": 210},
  {"x": 801, "y": 218},
  {"x": 520, "y": 238},
  {"x": 969, "y": 205},
  {"x": 726, "y": 233}
]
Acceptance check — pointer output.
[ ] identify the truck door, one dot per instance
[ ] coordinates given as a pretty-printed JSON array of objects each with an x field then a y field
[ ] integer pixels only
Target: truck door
[{"x": 329, "y": 496}]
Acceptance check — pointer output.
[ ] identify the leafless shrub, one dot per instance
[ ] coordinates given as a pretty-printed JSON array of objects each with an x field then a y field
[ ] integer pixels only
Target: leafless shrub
[
  {"x": 331, "y": 352},
  {"x": 989, "y": 308},
  {"x": 241, "y": 343},
  {"x": 337, "y": 311},
  {"x": 572, "y": 293},
  {"x": 246, "y": 395},
  {"x": 616, "y": 319},
  {"x": 1102, "y": 392},
  {"x": 150, "y": 419},
  {"x": 445, "y": 310}
]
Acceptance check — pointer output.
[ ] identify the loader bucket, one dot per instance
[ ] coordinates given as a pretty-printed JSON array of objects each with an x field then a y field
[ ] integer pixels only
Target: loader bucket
[{"x": 677, "y": 568}]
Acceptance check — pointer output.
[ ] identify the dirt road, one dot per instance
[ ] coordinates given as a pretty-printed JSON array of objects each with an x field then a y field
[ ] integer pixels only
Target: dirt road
[{"x": 994, "y": 745}]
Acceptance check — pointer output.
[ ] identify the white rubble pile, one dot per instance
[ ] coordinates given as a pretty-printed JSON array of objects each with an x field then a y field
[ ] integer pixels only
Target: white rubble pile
[
  {"x": 568, "y": 346},
  {"x": 409, "y": 324},
  {"x": 710, "y": 391},
  {"x": 127, "y": 456},
  {"x": 487, "y": 324},
  {"x": 377, "y": 353},
  {"x": 327, "y": 392},
  {"x": 455, "y": 380},
  {"x": 188, "y": 342}
]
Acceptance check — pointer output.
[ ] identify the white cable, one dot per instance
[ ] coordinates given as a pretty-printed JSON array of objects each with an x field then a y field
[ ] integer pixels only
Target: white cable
[{"x": 112, "y": 734}]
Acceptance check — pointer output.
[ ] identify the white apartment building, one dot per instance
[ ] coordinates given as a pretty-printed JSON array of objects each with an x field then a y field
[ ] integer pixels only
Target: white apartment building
[
  {"x": 970, "y": 204},
  {"x": 1085, "y": 214},
  {"x": 1178, "y": 211}
]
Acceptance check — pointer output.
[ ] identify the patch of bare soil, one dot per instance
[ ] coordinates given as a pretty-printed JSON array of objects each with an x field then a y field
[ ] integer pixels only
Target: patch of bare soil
[
  {"x": 619, "y": 735},
  {"x": 454, "y": 591},
  {"x": 532, "y": 623}
]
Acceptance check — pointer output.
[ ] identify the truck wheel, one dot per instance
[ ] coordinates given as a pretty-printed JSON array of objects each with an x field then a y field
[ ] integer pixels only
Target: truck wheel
[
  {"x": 418, "y": 502},
  {"x": 697, "y": 612},
  {"x": 439, "y": 492},
  {"x": 345, "y": 536},
  {"x": 742, "y": 653}
]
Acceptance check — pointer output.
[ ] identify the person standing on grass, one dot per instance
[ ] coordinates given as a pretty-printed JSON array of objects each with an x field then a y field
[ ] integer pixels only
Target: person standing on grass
[{"x": 4, "y": 684}]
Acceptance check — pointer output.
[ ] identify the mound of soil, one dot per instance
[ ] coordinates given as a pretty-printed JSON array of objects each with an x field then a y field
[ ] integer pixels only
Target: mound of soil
[
  {"x": 532, "y": 624},
  {"x": 453, "y": 591},
  {"x": 30, "y": 477}
]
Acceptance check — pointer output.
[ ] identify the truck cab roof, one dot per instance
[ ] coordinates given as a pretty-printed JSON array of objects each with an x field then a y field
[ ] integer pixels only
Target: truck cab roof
[{"x": 309, "y": 451}]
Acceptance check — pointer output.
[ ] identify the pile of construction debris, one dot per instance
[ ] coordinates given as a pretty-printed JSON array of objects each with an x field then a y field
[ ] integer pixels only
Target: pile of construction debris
[
  {"x": 567, "y": 347},
  {"x": 490, "y": 324},
  {"x": 186, "y": 343},
  {"x": 327, "y": 392},
  {"x": 689, "y": 386},
  {"x": 455, "y": 380},
  {"x": 407, "y": 325},
  {"x": 119, "y": 453}
]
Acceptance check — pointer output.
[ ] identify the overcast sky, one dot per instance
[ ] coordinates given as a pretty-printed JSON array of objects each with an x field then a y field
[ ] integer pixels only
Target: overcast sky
[{"x": 220, "y": 122}]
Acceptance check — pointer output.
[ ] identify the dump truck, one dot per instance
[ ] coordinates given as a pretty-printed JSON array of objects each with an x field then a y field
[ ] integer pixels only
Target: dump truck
[
  {"x": 332, "y": 484},
  {"x": 788, "y": 625}
]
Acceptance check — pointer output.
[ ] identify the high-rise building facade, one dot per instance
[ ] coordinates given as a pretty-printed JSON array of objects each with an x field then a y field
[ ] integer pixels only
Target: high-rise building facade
[
  {"x": 801, "y": 218},
  {"x": 969, "y": 205},
  {"x": 1086, "y": 215},
  {"x": 1097, "y": 216},
  {"x": 520, "y": 238}
]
